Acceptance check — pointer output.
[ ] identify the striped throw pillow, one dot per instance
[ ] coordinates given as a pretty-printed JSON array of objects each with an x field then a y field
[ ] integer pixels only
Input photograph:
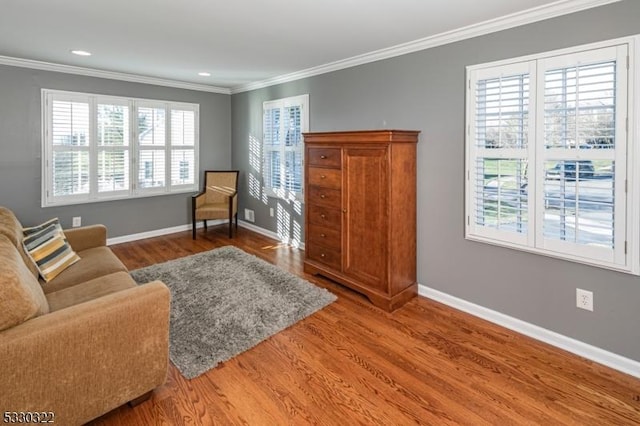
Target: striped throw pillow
[
  {"x": 34, "y": 229},
  {"x": 48, "y": 248}
]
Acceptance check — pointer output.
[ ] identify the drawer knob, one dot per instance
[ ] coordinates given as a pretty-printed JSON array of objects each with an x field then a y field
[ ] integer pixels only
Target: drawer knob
[
  {"x": 323, "y": 255},
  {"x": 323, "y": 216},
  {"x": 322, "y": 196},
  {"x": 344, "y": 210},
  {"x": 322, "y": 235},
  {"x": 323, "y": 177},
  {"x": 324, "y": 157}
]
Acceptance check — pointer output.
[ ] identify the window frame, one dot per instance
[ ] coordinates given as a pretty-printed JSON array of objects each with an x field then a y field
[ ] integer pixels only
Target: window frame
[
  {"x": 625, "y": 257},
  {"x": 134, "y": 190},
  {"x": 281, "y": 104}
]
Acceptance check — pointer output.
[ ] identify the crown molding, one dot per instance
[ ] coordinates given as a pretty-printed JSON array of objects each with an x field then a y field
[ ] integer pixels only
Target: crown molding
[
  {"x": 540, "y": 13},
  {"x": 112, "y": 75}
]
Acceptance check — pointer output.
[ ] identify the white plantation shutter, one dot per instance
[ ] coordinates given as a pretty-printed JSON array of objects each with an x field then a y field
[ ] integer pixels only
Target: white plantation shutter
[
  {"x": 70, "y": 145},
  {"x": 152, "y": 147},
  {"x": 284, "y": 121},
  {"x": 103, "y": 147},
  {"x": 113, "y": 151},
  {"x": 272, "y": 148},
  {"x": 183, "y": 144},
  {"x": 501, "y": 129},
  {"x": 293, "y": 148},
  {"x": 582, "y": 154},
  {"x": 547, "y": 156}
]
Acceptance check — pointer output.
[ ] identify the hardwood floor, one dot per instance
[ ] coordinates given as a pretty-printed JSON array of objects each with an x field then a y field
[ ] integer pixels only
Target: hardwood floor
[{"x": 351, "y": 363}]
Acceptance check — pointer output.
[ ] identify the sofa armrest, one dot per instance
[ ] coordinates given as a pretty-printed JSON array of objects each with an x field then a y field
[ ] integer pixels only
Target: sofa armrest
[
  {"x": 83, "y": 361},
  {"x": 86, "y": 237}
]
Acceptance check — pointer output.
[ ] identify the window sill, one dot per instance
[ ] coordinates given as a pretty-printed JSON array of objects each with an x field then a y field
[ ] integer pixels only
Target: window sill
[
  {"x": 627, "y": 269},
  {"x": 71, "y": 202}
]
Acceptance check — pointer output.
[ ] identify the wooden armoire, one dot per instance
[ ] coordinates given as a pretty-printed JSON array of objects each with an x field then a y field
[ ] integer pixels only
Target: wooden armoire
[{"x": 360, "y": 212}]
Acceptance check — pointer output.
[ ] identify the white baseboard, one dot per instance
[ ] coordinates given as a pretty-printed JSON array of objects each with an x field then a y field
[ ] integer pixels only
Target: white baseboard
[
  {"x": 160, "y": 232},
  {"x": 270, "y": 234},
  {"x": 187, "y": 227},
  {"x": 593, "y": 353}
]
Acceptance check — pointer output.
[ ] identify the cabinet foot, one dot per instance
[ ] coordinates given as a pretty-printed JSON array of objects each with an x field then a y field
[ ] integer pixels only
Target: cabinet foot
[{"x": 395, "y": 302}]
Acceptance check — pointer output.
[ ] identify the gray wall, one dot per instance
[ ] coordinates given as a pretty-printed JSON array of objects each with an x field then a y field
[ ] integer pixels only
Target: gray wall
[
  {"x": 288, "y": 218},
  {"x": 20, "y": 150},
  {"x": 425, "y": 91}
]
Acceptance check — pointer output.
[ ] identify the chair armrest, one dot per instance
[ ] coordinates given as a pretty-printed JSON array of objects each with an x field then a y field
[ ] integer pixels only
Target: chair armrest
[
  {"x": 85, "y": 360},
  {"x": 233, "y": 198},
  {"x": 198, "y": 199},
  {"x": 86, "y": 237}
]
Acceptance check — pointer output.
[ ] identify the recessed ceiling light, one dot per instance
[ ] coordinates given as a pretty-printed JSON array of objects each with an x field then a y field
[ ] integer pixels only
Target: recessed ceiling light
[
  {"x": 81, "y": 52},
  {"x": 204, "y": 74}
]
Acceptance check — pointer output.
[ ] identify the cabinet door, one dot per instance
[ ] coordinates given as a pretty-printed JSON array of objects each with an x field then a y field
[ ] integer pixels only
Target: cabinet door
[{"x": 365, "y": 203}]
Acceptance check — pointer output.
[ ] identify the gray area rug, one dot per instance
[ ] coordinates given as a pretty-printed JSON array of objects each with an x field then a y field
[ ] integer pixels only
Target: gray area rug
[{"x": 226, "y": 301}]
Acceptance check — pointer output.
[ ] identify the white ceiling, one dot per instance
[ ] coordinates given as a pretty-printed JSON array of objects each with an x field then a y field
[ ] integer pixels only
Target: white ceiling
[{"x": 238, "y": 41}]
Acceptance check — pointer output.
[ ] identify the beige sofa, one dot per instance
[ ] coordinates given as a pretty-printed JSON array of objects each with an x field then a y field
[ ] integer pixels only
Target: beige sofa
[{"x": 84, "y": 343}]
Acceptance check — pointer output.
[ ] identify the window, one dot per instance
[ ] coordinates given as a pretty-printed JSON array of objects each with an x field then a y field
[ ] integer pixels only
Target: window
[
  {"x": 548, "y": 155},
  {"x": 284, "y": 121},
  {"x": 99, "y": 148}
]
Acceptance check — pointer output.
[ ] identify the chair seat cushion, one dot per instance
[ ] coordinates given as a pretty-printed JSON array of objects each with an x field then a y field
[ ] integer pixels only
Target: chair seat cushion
[
  {"x": 213, "y": 211},
  {"x": 94, "y": 262},
  {"x": 92, "y": 289}
]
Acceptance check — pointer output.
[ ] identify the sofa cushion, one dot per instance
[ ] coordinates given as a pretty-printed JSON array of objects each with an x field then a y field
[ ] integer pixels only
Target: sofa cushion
[
  {"x": 89, "y": 290},
  {"x": 21, "y": 297},
  {"x": 10, "y": 226},
  {"x": 12, "y": 229},
  {"x": 94, "y": 262},
  {"x": 29, "y": 263},
  {"x": 48, "y": 247}
]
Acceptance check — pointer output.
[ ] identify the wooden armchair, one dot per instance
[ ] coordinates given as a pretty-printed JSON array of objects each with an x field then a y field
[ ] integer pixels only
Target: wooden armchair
[{"x": 218, "y": 199}]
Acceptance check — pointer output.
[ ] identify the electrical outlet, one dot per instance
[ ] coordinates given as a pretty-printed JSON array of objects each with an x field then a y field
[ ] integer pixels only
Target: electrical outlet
[
  {"x": 584, "y": 299},
  {"x": 271, "y": 212},
  {"x": 249, "y": 215},
  {"x": 76, "y": 221}
]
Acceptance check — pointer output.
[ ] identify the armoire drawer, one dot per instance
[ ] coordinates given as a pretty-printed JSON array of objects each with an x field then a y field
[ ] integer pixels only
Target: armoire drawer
[
  {"x": 324, "y": 236},
  {"x": 329, "y": 257},
  {"x": 324, "y": 216},
  {"x": 324, "y": 196},
  {"x": 324, "y": 157},
  {"x": 326, "y": 178}
]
